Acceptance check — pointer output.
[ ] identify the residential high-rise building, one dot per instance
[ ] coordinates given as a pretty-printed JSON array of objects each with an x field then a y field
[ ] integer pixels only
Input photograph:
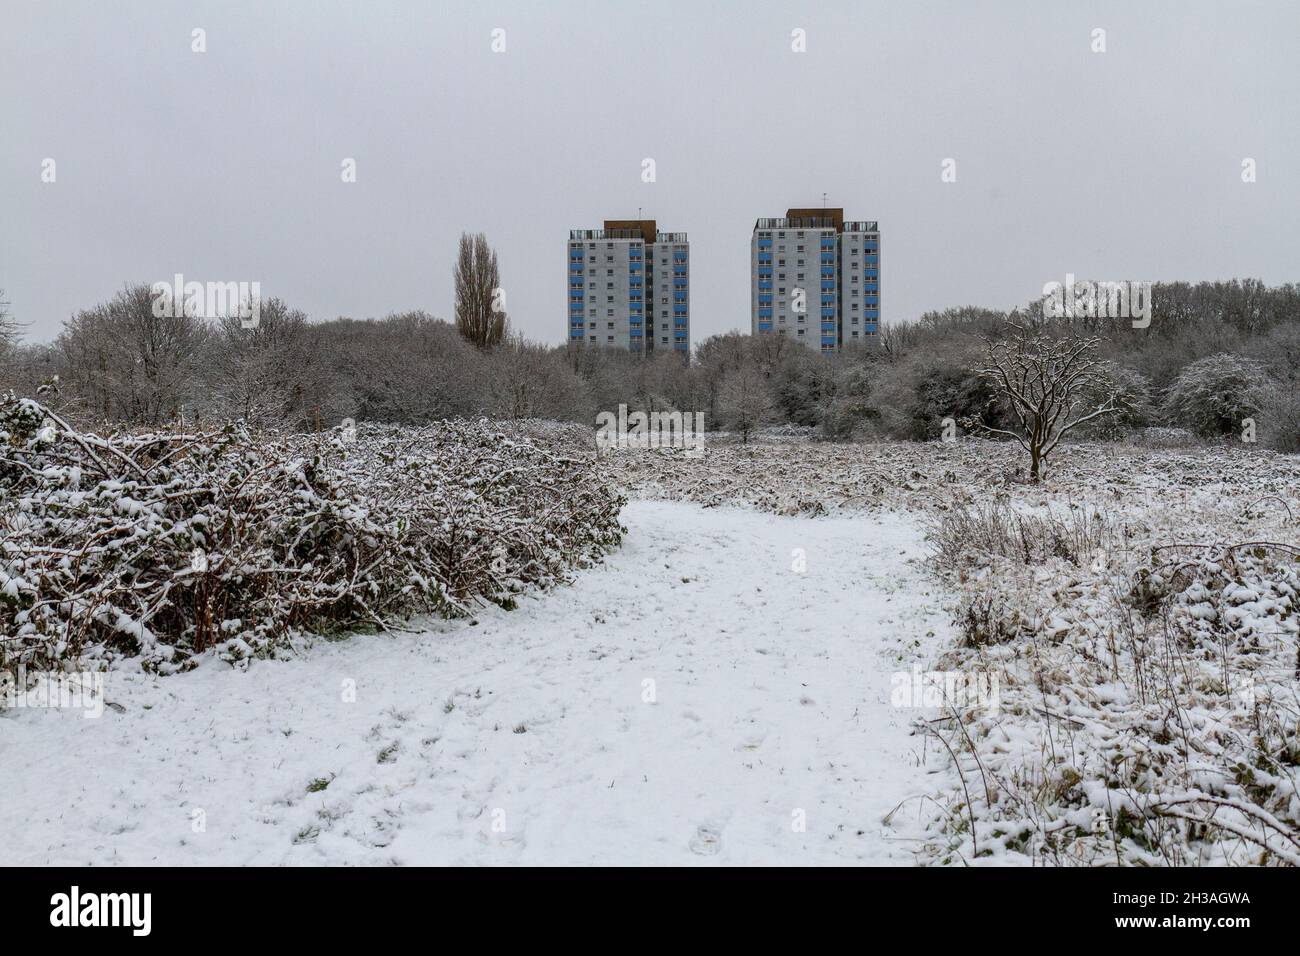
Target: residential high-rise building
[
  {"x": 629, "y": 287},
  {"x": 816, "y": 278}
]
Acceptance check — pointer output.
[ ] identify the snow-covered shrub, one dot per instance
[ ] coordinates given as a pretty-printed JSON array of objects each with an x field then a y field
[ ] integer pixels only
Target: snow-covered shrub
[
  {"x": 1135, "y": 407},
  {"x": 168, "y": 544},
  {"x": 1148, "y": 707},
  {"x": 1279, "y": 417},
  {"x": 1212, "y": 396}
]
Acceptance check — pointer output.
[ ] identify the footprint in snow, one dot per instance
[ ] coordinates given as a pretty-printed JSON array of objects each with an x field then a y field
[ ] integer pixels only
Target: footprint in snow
[{"x": 707, "y": 841}]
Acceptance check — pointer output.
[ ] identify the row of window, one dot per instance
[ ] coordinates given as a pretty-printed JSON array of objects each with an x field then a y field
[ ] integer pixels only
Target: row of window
[
  {"x": 575, "y": 276},
  {"x": 576, "y": 310},
  {"x": 636, "y": 324},
  {"x": 765, "y": 315}
]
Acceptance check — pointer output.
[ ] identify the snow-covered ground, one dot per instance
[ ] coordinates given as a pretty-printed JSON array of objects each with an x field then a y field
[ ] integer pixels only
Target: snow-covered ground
[{"x": 528, "y": 736}]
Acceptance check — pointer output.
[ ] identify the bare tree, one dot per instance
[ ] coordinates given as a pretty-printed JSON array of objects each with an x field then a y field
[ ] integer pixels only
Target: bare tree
[
  {"x": 8, "y": 332},
  {"x": 528, "y": 380},
  {"x": 480, "y": 315},
  {"x": 125, "y": 363},
  {"x": 1049, "y": 384},
  {"x": 254, "y": 372},
  {"x": 745, "y": 400}
]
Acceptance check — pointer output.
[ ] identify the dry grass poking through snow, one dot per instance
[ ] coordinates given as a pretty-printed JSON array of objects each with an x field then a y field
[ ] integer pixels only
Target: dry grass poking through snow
[{"x": 1141, "y": 608}]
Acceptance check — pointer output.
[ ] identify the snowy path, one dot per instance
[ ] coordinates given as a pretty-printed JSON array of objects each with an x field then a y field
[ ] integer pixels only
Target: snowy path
[{"x": 525, "y": 738}]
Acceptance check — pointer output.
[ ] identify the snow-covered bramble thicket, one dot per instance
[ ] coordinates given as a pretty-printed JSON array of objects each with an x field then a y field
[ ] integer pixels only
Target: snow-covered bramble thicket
[{"x": 168, "y": 544}]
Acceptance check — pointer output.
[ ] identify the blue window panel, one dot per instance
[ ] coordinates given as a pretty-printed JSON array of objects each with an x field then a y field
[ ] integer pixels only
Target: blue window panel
[
  {"x": 872, "y": 260},
  {"x": 828, "y": 340},
  {"x": 765, "y": 243},
  {"x": 828, "y": 286},
  {"x": 575, "y": 335},
  {"x": 765, "y": 326},
  {"x": 871, "y": 287},
  {"x": 870, "y": 326},
  {"x": 765, "y": 285},
  {"x": 828, "y": 313},
  {"x": 873, "y": 313}
]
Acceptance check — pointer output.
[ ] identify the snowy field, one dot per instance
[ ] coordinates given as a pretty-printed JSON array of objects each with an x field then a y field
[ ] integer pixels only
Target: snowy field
[{"x": 531, "y": 736}]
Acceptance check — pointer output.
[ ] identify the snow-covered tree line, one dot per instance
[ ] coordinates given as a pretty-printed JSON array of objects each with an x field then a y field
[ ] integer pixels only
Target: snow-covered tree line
[{"x": 1213, "y": 355}]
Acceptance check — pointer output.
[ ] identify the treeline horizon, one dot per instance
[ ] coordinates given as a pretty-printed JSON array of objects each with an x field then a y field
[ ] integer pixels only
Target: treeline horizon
[{"x": 116, "y": 363}]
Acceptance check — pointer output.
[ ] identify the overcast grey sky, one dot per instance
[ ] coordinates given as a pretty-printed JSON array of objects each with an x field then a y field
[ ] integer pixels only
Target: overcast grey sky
[{"x": 226, "y": 165}]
